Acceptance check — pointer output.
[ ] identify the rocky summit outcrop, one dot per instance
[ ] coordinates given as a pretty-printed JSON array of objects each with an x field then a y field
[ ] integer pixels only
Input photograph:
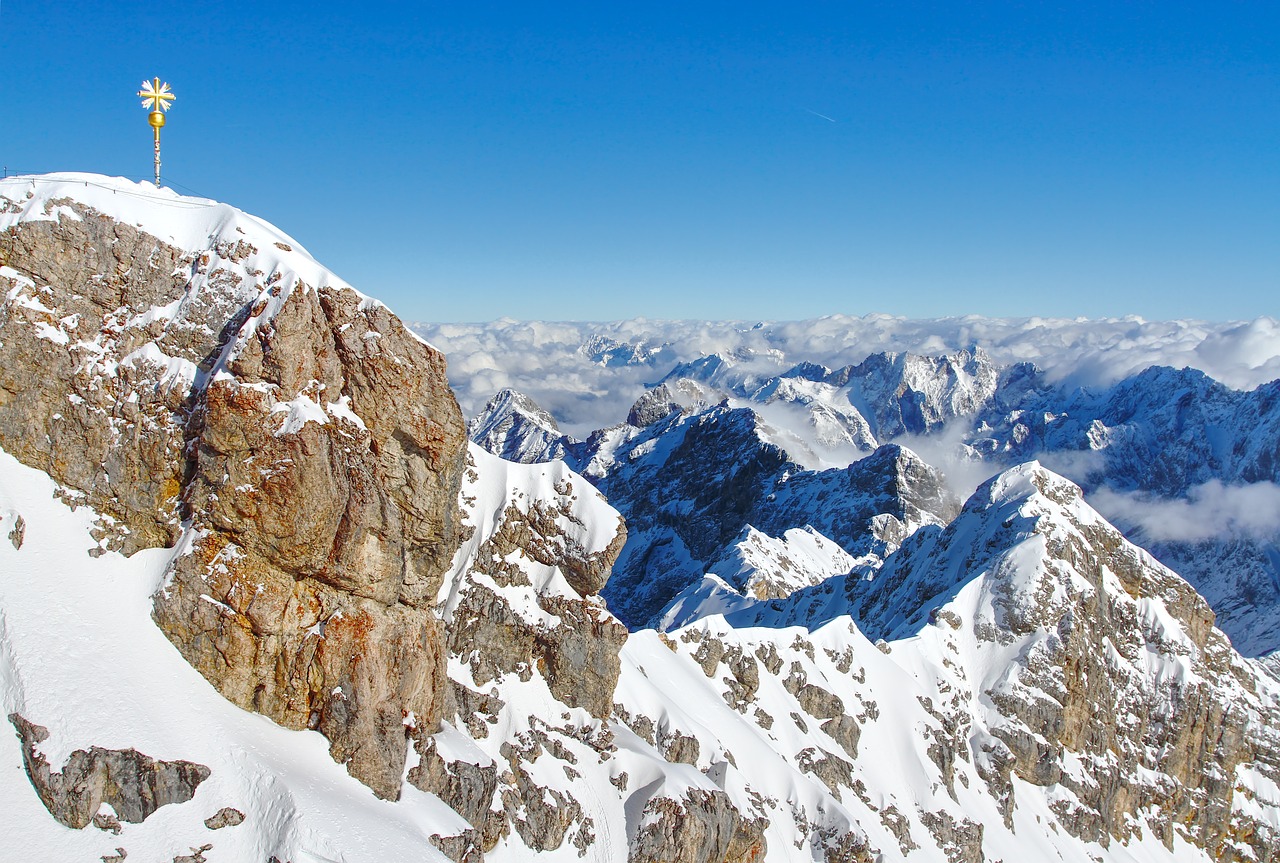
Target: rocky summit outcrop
[{"x": 300, "y": 442}]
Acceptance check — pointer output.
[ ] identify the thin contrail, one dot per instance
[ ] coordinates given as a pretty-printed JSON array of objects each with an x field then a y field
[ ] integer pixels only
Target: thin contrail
[{"x": 823, "y": 116}]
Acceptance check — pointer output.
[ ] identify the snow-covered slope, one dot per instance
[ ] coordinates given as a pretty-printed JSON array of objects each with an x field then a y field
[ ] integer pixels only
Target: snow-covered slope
[
  {"x": 81, "y": 656},
  {"x": 262, "y": 600},
  {"x": 689, "y": 485},
  {"x": 1067, "y": 658}
]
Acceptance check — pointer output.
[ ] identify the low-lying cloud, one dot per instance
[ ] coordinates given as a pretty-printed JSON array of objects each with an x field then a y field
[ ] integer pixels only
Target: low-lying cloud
[
  {"x": 1213, "y": 510},
  {"x": 545, "y": 361}
]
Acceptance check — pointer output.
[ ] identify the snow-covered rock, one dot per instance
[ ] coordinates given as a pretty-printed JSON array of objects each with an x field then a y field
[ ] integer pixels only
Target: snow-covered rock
[
  {"x": 1159, "y": 437},
  {"x": 514, "y": 427}
]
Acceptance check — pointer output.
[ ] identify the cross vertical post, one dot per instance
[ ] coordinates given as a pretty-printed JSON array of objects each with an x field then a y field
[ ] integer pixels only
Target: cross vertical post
[{"x": 157, "y": 97}]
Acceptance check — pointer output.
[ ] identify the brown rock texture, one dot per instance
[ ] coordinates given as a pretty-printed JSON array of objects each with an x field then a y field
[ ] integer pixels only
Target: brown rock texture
[
  {"x": 131, "y": 783},
  {"x": 571, "y": 640},
  {"x": 522, "y": 611},
  {"x": 702, "y": 827},
  {"x": 304, "y": 442}
]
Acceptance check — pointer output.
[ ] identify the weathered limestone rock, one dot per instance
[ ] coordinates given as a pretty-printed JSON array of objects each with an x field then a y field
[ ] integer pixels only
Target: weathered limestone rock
[
  {"x": 578, "y": 656},
  {"x": 69, "y": 402},
  {"x": 834, "y": 771},
  {"x": 18, "y": 532},
  {"x": 303, "y": 436},
  {"x": 131, "y": 783},
  {"x": 1124, "y": 695},
  {"x": 653, "y": 404},
  {"x": 702, "y": 827},
  {"x": 196, "y": 855},
  {"x": 1076, "y": 694},
  {"x": 679, "y": 748},
  {"x": 467, "y": 788},
  {"x": 224, "y": 817},
  {"x": 851, "y": 848},
  {"x": 960, "y": 840},
  {"x": 463, "y": 847},
  {"x": 108, "y": 823}
]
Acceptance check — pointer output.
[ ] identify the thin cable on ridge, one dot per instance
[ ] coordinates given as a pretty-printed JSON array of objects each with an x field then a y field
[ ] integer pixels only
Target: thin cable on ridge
[{"x": 113, "y": 190}]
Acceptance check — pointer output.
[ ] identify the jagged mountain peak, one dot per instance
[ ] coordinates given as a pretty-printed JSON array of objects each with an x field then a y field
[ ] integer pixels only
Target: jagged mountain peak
[
  {"x": 509, "y": 401},
  {"x": 808, "y": 371},
  {"x": 512, "y": 425},
  {"x": 612, "y": 353},
  {"x": 1026, "y": 507}
]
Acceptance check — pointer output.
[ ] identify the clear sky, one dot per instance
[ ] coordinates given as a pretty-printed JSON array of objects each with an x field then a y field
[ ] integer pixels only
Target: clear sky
[{"x": 469, "y": 161}]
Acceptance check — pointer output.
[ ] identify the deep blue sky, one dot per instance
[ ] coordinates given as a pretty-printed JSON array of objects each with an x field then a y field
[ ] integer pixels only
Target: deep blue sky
[{"x": 598, "y": 161}]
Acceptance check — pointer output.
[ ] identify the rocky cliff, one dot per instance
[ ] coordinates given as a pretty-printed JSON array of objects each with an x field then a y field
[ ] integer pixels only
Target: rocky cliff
[{"x": 299, "y": 441}]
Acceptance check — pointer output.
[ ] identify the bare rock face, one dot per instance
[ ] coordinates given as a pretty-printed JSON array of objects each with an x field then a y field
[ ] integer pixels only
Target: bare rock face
[
  {"x": 703, "y": 827},
  {"x": 70, "y": 402},
  {"x": 224, "y": 817},
  {"x": 133, "y": 784},
  {"x": 301, "y": 439},
  {"x": 654, "y": 404}
]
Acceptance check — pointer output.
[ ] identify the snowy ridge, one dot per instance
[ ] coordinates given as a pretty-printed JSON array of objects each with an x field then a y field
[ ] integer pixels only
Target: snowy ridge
[
  {"x": 855, "y": 668},
  {"x": 1031, "y": 614},
  {"x": 1164, "y": 447},
  {"x": 186, "y": 222},
  {"x": 514, "y": 427}
]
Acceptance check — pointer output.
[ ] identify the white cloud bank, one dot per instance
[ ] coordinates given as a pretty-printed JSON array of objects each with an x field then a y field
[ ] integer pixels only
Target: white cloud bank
[
  {"x": 1210, "y": 511},
  {"x": 543, "y": 359}
]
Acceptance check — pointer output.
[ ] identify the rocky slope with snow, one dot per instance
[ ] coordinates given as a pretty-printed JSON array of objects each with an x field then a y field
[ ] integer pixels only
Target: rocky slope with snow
[
  {"x": 261, "y": 600},
  {"x": 1068, "y": 658},
  {"x": 691, "y": 483},
  {"x": 1146, "y": 442}
]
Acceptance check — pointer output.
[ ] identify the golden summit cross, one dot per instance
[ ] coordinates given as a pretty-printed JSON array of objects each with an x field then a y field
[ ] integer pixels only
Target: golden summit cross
[{"x": 157, "y": 97}]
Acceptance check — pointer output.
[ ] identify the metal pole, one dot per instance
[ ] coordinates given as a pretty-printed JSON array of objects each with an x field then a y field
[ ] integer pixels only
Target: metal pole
[{"x": 157, "y": 97}]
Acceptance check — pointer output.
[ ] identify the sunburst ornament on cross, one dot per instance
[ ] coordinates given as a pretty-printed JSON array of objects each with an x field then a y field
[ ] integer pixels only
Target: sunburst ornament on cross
[{"x": 157, "y": 97}]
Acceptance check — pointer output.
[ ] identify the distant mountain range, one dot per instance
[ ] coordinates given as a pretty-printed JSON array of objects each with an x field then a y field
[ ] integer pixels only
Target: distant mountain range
[{"x": 1161, "y": 436}]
